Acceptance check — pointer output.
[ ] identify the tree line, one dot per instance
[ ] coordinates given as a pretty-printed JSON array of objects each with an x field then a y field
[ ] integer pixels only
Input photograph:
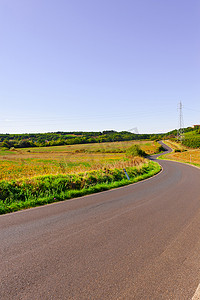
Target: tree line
[
  {"x": 59, "y": 138},
  {"x": 68, "y": 138}
]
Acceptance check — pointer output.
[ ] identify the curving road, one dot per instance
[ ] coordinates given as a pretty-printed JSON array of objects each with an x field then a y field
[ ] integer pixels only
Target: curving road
[{"x": 137, "y": 242}]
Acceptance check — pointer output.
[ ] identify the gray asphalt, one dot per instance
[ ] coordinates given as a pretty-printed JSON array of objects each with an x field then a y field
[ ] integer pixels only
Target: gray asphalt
[{"x": 137, "y": 242}]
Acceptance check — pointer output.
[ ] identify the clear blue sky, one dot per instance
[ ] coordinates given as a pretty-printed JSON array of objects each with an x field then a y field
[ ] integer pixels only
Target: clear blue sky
[{"x": 93, "y": 65}]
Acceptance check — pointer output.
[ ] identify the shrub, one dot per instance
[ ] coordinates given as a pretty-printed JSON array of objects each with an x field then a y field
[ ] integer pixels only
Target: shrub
[{"x": 135, "y": 151}]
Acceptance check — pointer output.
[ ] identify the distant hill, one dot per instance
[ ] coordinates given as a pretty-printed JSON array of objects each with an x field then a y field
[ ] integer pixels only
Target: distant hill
[
  {"x": 80, "y": 137},
  {"x": 67, "y": 138}
]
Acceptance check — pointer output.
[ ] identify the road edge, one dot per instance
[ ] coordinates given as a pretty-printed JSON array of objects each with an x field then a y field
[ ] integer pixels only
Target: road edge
[{"x": 196, "y": 294}]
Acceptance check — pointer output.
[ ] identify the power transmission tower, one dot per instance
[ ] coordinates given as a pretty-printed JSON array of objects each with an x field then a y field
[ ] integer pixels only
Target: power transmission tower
[
  {"x": 180, "y": 131},
  {"x": 134, "y": 130}
]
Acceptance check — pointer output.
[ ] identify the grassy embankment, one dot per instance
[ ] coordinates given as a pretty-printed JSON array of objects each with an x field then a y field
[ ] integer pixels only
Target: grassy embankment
[
  {"x": 37, "y": 176},
  {"x": 182, "y": 154}
]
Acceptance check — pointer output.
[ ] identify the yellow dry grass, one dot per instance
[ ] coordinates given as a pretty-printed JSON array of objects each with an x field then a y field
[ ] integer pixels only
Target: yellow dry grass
[
  {"x": 190, "y": 156},
  {"x": 187, "y": 155},
  {"x": 25, "y": 163},
  {"x": 175, "y": 145}
]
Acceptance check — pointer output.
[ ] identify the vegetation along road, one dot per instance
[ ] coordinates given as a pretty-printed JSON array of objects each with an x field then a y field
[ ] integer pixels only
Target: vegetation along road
[{"x": 141, "y": 241}]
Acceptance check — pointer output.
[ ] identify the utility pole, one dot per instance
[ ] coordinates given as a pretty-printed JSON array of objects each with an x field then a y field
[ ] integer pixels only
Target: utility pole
[{"x": 180, "y": 131}]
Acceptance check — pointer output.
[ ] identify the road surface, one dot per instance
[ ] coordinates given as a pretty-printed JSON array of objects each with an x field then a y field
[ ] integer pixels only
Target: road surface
[{"x": 141, "y": 241}]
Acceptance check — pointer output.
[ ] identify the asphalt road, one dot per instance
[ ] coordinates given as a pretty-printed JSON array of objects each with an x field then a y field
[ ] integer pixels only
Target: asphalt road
[{"x": 137, "y": 242}]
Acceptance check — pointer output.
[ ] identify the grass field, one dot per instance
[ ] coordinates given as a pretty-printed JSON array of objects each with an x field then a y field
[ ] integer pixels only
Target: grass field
[
  {"x": 175, "y": 145},
  {"x": 29, "y": 162},
  {"x": 21, "y": 194},
  {"x": 191, "y": 156},
  {"x": 114, "y": 147},
  {"x": 37, "y": 176}
]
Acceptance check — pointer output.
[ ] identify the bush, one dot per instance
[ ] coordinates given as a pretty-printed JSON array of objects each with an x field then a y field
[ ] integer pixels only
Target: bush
[{"x": 135, "y": 151}]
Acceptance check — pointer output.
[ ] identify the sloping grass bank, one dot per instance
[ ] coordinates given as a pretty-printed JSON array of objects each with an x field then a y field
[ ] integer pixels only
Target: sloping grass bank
[
  {"x": 191, "y": 157},
  {"x": 20, "y": 194},
  {"x": 182, "y": 154}
]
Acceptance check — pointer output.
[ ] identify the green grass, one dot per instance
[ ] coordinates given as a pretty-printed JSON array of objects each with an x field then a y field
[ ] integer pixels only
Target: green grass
[
  {"x": 36, "y": 176},
  {"x": 191, "y": 134},
  {"x": 21, "y": 194}
]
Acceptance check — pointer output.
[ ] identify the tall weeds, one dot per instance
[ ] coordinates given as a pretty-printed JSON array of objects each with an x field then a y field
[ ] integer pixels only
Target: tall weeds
[{"x": 18, "y": 194}]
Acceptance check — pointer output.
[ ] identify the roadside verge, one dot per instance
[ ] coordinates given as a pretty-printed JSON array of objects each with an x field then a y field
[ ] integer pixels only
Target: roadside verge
[
  {"x": 17, "y": 195},
  {"x": 175, "y": 157}
]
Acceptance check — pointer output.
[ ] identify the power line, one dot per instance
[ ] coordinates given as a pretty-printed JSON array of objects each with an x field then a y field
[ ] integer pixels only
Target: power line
[{"x": 192, "y": 109}]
